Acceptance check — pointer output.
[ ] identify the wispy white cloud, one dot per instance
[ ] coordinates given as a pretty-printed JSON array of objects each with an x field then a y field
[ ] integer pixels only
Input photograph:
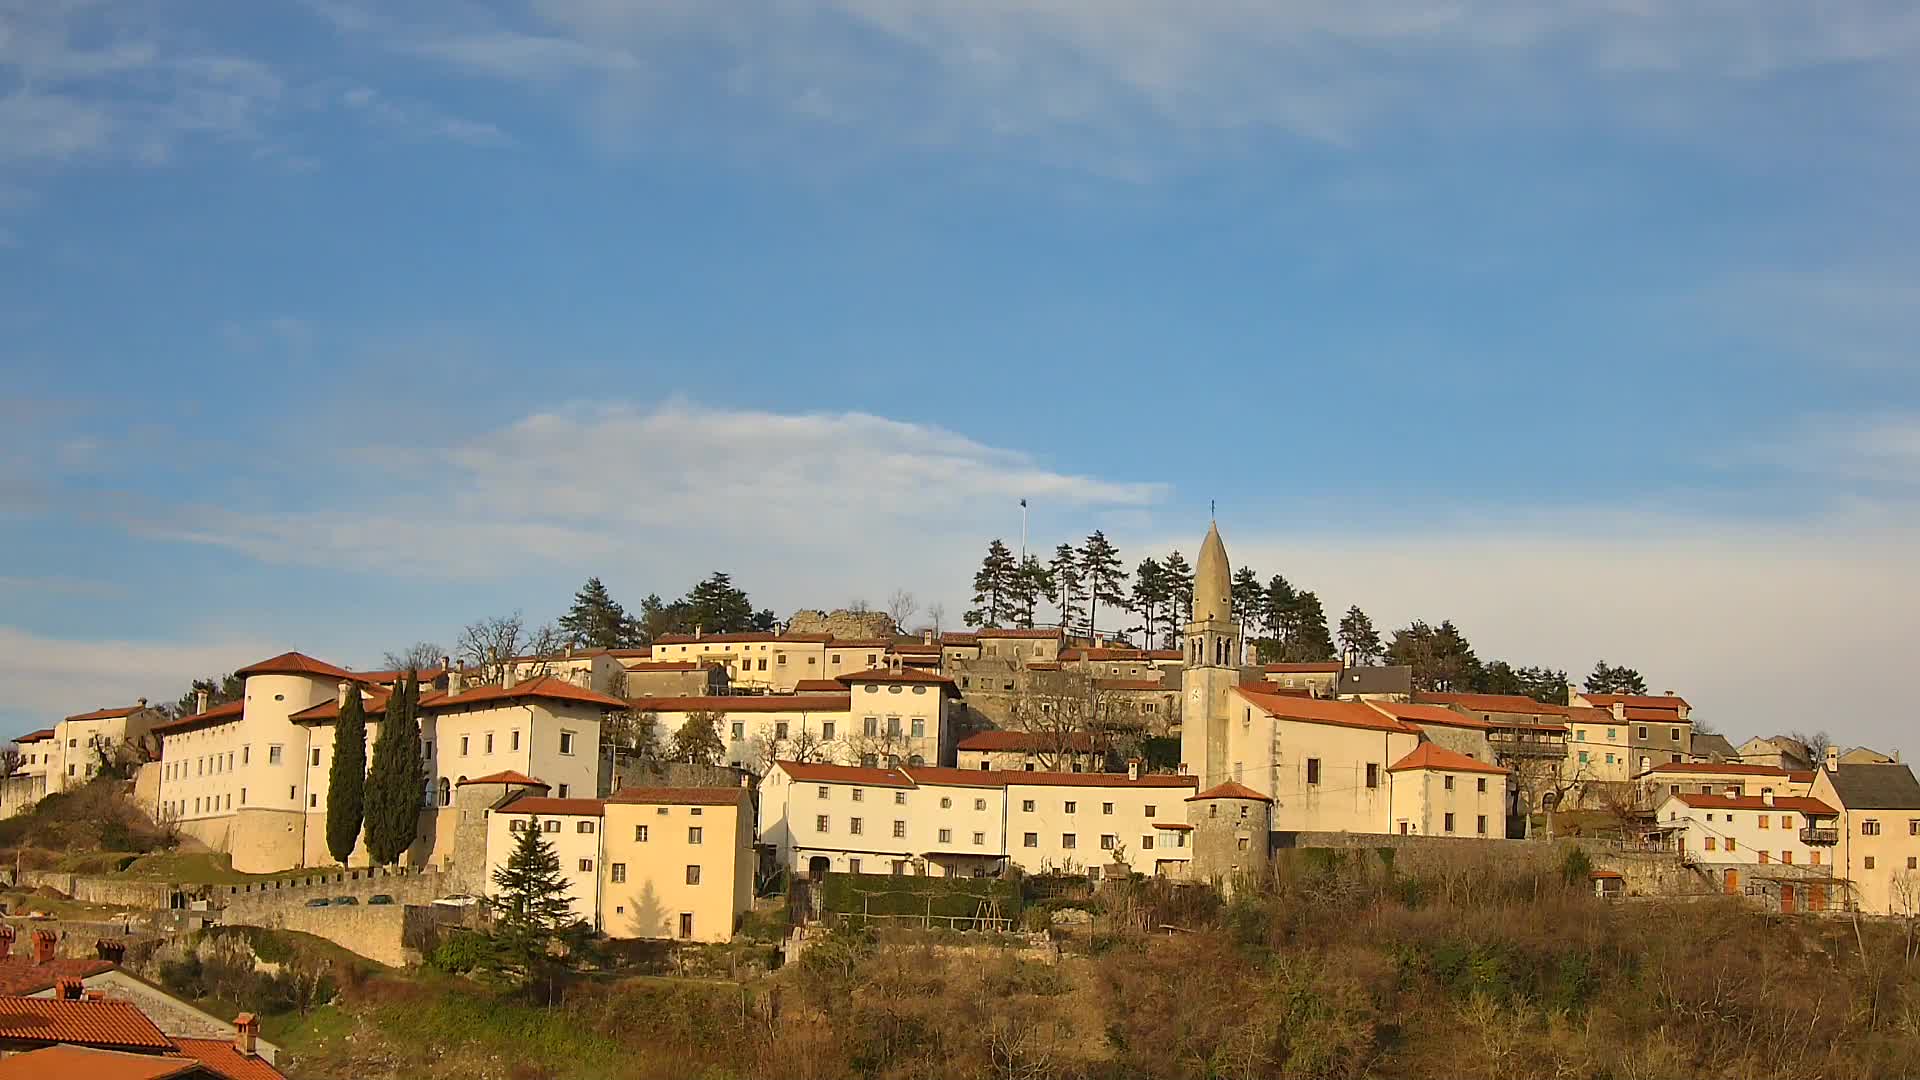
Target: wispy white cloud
[
  {"x": 1862, "y": 453},
  {"x": 419, "y": 120},
  {"x": 50, "y": 677}
]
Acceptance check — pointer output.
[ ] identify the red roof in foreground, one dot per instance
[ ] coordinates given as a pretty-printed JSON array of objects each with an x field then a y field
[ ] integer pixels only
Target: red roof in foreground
[
  {"x": 20, "y": 976},
  {"x": 1314, "y": 711},
  {"x": 1430, "y": 714},
  {"x": 60, "y": 1062},
  {"x": 1434, "y": 756},
  {"x": 908, "y": 776},
  {"x": 508, "y": 777},
  {"x": 1023, "y": 742},
  {"x": 1638, "y": 701},
  {"x": 814, "y": 772},
  {"x": 1728, "y": 768},
  {"x": 220, "y": 1056},
  {"x": 293, "y": 663},
  {"x": 1797, "y": 803},
  {"x": 1229, "y": 790},
  {"x": 888, "y": 675},
  {"x": 108, "y": 1024},
  {"x": 743, "y": 703},
  {"x": 539, "y": 804},
  {"x": 550, "y": 687}
]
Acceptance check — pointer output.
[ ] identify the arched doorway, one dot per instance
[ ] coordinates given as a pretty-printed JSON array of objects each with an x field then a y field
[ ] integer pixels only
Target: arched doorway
[{"x": 818, "y": 866}]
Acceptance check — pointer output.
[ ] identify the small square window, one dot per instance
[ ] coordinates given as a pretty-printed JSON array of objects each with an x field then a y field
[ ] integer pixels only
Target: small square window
[
  {"x": 586, "y": 865},
  {"x": 693, "y": 834},
  {"x": 693, "y": 876},
  {"x": 617, "y": 873}
]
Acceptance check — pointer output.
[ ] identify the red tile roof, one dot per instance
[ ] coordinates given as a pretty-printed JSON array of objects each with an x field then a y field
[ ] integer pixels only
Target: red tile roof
[
  {"x": 1173, "y": 825},
  {"x": 1805, "y": 777},
  {"x": 814, "y": 772},
  {"x": 63, "y": 1062},
  {"x": 687, "y": 796},
  {"x": 1326, "y": 668},
  {"x": 1796, "y": 803},
  {"x": 1229, "y": 790},
  {"x": 1434, "y": 756},
  {"x": 913, "y": 648},
  {"x": 218, "y": 714},
  {"x": 819, "y": 686},
  {"x": 1437, "y": 715},
  {"x": 1632, "y": 701},
  {"x": 36, "y": 736},
  {"x": 1015, "y": 778},
  {"x": 745, "y": 703},
  {"x": 107, "y": 714},
  {"x": 1722, "y": 768},
  {"x": 1314, "y": 711},
  {"x": 961, "y": 640},
  {"x": 750, "y": 635},
  {"x": 1016, "y": 632},
  {"x": 1127, "y": 684},
  {"x": 539, "y": 804},
  {"x": 220, "y": 1056},
  {"x": 887, "y": 675},
  {"x": 508, "y": 777},
  {"x": 21, "y": 977},
  {"x": 1022, "y": 741},
  {"x": 668, "y": 665},
  {"x": 548, "y": 687},
  {"x": 109, "y": 1024},
  {"x": 293, "y": 663},
  {"x": 1663, "y": 716},
  {"x": 930, "y": 774},
  {"x": 1497, "y": 703},
  {"x": 373, "y": 701}
]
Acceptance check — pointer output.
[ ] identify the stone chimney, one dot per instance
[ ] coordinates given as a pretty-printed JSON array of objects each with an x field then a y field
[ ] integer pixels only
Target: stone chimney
[
  {"x": 246, "y": 1033},
  {"x": 1833, "y": 759},
  {"x": 43, "y": 942},
  {"x": 456, "y": 682},
  {"x": 509, "y": 675},
  {"x": 341, "y": 692},
  {"x": 68, "y": 988},
  {"x": 1766, "y": 796},
  {"x": 109, "y": 950},
  {"x": 1133, "y": 768},
  {"x": 446, "y": 665},
  {"x": 200, "y": 701},
  {"x": 926, "y": 636},
  {"x": 1620, "y": 712},
  {"x": 697, "y": 632},
  {"x": 6, "y": 941}
]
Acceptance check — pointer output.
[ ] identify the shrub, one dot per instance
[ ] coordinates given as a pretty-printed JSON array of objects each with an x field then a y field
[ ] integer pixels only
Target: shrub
[{"x": 461, "y": 953}]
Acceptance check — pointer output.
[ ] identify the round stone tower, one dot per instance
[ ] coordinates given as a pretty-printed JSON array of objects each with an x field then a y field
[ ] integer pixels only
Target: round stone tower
[{"x": 1231, "y": 825}]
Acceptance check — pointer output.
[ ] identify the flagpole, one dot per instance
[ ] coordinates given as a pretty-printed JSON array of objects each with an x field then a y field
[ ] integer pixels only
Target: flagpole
[{"x": 1023, "y": 530}]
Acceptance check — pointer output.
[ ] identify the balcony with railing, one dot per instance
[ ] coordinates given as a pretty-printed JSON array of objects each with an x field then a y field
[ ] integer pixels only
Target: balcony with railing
[
  {"x": 1819, "y": 835},
  {"x": 1521, "y": 742}
]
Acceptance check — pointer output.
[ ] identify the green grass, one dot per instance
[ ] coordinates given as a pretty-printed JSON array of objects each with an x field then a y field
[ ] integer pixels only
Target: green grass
[
  {"x": 197, "y": 868},
  {"x": 19, "y": 903}
]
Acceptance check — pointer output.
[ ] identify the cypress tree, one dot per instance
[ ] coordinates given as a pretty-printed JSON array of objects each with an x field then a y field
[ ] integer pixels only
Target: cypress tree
[
  {"x": 394, "y": 784},
  {"x": 347, "y": 779}
]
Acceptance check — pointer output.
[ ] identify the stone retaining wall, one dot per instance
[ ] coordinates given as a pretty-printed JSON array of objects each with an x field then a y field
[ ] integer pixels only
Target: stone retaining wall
[
  {"x": 250, "y": 903},
  {"x": 119, "y": 892}
]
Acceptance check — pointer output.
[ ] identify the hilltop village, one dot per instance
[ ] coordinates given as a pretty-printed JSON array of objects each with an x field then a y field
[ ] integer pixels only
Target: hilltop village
[{"x": 672, "y": 776}]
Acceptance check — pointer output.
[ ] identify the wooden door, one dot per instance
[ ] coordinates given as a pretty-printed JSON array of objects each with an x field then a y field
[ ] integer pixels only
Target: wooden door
[
  {"x": 1786, "y": 899},
  {"x": 1733, "y": 883}
]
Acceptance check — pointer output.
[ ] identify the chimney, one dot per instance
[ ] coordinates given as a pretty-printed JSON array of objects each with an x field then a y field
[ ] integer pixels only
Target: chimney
[
  {"x": 109, "y": 950},
  {"x": 456, "y": 682},
  {"x": 1620, "y": 712},
  {"x": 1573, "y": 693},
  {"x": 1766, "y": 796},
  {"x": 140, "y": 702},
  {"x": 697, "y": 630},
  {"x": 43, "y": 941},
  {"x": 246, "y": 1029},
  {"x": 510, "y": 676},
  {"x": 1133, "y": 768},
  {"x": 446, "y": 664},
  {"x": 96, "y": 995},
  {"x": 200, "y": 702},
  {"x": 926, "y": 636},
  {"x": 1833, "y": 759},
  {"x": 340, "y": 697},
  {"x": 68, "y": 988},
  {"x": 6, "y": 941}
]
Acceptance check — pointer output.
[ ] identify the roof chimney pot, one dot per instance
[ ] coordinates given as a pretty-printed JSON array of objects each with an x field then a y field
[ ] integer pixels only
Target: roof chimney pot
[
  {"x": 140, "y": 702},
  {"x": 246, "y": 1032},
  {"x": 43, "y": 941},
  {"x": 200, "y": 701},
  {"x": 1833, "y": 759},
  {"x": 340, "y": 697}
]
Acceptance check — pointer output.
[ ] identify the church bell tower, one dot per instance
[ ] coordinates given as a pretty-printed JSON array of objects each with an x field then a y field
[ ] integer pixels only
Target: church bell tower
[{"x": 1212, "y": 666}]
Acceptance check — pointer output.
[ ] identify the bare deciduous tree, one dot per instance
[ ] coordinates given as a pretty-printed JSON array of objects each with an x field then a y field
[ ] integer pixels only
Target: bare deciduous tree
[
  {"x": 900, "y": 607},
  {"x": 419, "y": 656},
  {"x": 1070, "y": 715},
  {"x": 936, "y": 615},
  {"x": 487, "y": 644},
  {"x": 10, "y": 760}
]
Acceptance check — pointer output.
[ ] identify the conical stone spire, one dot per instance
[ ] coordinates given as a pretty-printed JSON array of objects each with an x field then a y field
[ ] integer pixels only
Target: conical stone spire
[{"x": 1213, "y": 581}]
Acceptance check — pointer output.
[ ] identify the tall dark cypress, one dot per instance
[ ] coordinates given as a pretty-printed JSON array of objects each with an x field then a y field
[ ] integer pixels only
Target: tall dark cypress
[
  {"x": 347, "y": 779},
  {"x": 395, "y": 783}
]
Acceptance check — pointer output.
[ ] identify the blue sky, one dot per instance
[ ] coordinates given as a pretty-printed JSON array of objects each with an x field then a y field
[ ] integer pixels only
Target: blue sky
[{"x": 1589, "y": 325}]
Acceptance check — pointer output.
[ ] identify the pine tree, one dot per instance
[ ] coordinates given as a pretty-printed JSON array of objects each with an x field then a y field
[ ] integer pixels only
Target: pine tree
[
  {"x": 1440, "y": 656},
  {"x": 1179, "y": 594},
  {"x": 1278, "y": 613},
  {"x": 596, "y": 622},
  {"x": 698, "y": 739},
  {"x": 1104, "y": 579},
  {"x": 1064, "y": 572},
  {"x": 1606, "y": 679},
  {"x": 1311, "y": 643},
  {"x": 1030, "y": 584},
  {"x": 993, "y": 587},
  {"x": 1358, "y": 636},
  {"x": 1149, "y": 595},
  {"x": 530, "y": 902},
  {"x": 395, "y": 783},
  {"x": 1249, "y": 599},
  {"x": 347, "y": 779},
  {"x": 715, "y": 606}
]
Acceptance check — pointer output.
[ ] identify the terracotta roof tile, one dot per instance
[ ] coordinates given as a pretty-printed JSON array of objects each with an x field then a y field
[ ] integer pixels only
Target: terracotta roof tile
[
  {"x": 887, "y": 675},
  {"x": 687, "y": 796},
  {"x": 293, "y": 663},
  {"x": 1718, "y": 768},
  {"x": 1663, "y": 716},
  {"x": 750, "y": 635},
  {"x": 1437, "y": 715},
  {"x": 1332, "y": 668},
  {"x": 218, "y": 714},
  {"x": 814, "y": 772},
  {"x": 36, "y": 736},
  {"x": 221, "y": 1056},
  {"x": 1060, "y": 779},
  {"x": 63, "y": 1062},
  {"x": 1646, "y": 701},
  {"x": 1434, "y": 756},
  {"x": 107, "y": 714},
  {"x": 745, "y": 703},
  {"x": 549, "y": 687},
  {"x": 933, "y": 774},
  {"x": 1314, "y": 711},
  {"x": 819, "y": 686},
  {"x": 1022, "y": 742},
  {"x": 21, "y": 977},
  {"x": 667, "y": 665},
  {"x": 1797, "y": 803},
  {"x": 539, "y": 804},
  {"x": 508, "y": 777},
  {"x": 1229, "y": 790},
  {"x": 913, "y": 648},
  {"x": 1498, "y": 703},
  {"x": 108, "y": 1024}
]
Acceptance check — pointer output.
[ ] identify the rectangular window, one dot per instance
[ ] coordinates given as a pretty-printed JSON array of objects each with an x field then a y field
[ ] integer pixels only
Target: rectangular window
[
  {"x": 694, "y": 834},
  {"x": 583, "y": 827},
  {"x": 1870, "y": 827},
  {"x": 693, "y": 877},
  {"x": 1108, "y": 841},
  {"x": 1480, "y": 785},
  {"x": 1766, "y": 857},
  {"x": 1643, "y": 731},
  {"x": 899, "y": 798},
  {"x": 1106, "y": 808},
  {"x": 313, "y": 802},
  {"x": 1152, "y": 810},
  {"x": 1449, "y": 820},
  {"x": 946, "y": 836},
  {"x": 617, "y": 873},
  {"x": 853, "y": 866},
  {"x": 1313, "y": 770},
  {"x": 1067, "y": 840},
  {"x": 1867, "y": 863},
  {"x": 316, "y": 757},
  {"x": 1731, "y": 843},
  {"x": 586, "y": 865},
  {"x": 871, "y": 725},
  {"x": 1480, "y": 824},
  {"x": 550, "y": 826},
  {"x": 859, "y": 794},
  {"x": 979, "y": 804},
  {"x": 1764, "y": 820},
  {"x": 1373, "y": 775},
  {"x": 854, "y": 826},
  {"x": 686, "y": 917},
  {"x": 739, "y": 730},
  {"x": 1071, "y": 806},
  {"x": 1026, "y": 806},
  {"x": 273, "y": 755},
  {"x": 513, "y": 739},
  {"x": 1913, "y": 826},
  {"x": 919, "y": 728},
  {"x": 566, "y": 743},
  {"x": 1030, "y": 840},
  {"x": 946, "y": 802},
  {"x": 780, "y": 729},
  {"x": 893, "y": 725},
  {"x": 562, "y": 792},
  {"x": 489, "y": 742},
  {"x": 822, "y": 792},
  {"x": 246, "y": 754},
  {"x": 1786, "y": 857},
  {"x": 639, "y": 834},
  {"x": 899, "y": 829},
  {"x": 1146, "y": 843},
  {"x": 1447, "y": 782},
  {"x": 463, "y": 745},
  {"x": 979, "y": 839}
]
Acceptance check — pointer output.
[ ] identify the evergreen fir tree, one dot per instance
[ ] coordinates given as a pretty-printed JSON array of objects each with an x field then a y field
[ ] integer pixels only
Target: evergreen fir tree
[
  {"x": 1149, "y": 595},
  {"x": 1440, "y": 656},
  {"x": 1064, "y": 573},
  {"x": 1358, "y": 636},
  {"x": 716, "y": 606},
  {"x": 347, "y": 779},
  {"x": 993, "y": 587},
  {"x": 530, "y": 902},
  {"x": 1249, "y": 599},
  {"x": 1606, "y": 679},
  {"x": 1311, "y": 642},
  {"x": 1100, "y": 571},
  {"x": 1279, "y": 614},
  {"x": 395, "y": 783},
  {"x": 1030, "y": 583},
  {"x": 1179, "y": 595},
  {"x": 596, "y": 621}
]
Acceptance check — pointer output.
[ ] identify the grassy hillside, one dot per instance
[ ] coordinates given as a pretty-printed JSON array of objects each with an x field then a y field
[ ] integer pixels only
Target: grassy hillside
[{"x": 1343, "y": 965}]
